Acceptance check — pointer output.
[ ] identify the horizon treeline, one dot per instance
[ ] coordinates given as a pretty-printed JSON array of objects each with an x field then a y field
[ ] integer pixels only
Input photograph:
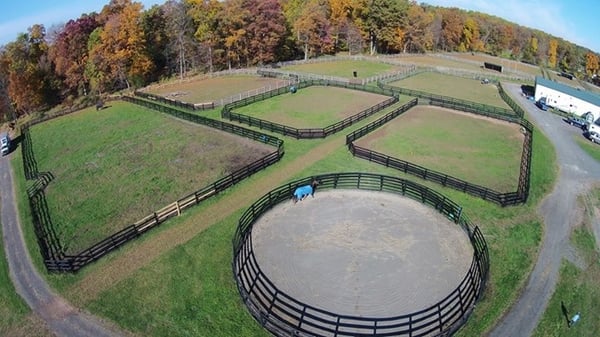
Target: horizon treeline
[{"x": 126, "y": 46}]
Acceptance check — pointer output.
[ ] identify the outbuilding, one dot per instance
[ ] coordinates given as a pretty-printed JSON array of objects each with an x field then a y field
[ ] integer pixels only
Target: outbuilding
[{"x": 567, "y": 99}]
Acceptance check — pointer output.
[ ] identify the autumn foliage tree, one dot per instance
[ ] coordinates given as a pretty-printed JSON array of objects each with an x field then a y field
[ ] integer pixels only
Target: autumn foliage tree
[
  {"x": 119, "y": 56},
  {"x": 312, "y": 29},
  {"x": 266, "y": 32},
  {"x": 70, "y": 55},
  {"x": 124, "y": 46}
]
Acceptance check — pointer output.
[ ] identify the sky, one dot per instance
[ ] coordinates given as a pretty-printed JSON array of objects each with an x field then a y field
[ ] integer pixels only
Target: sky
[
  {"x": 16, "y": 16},
  {"x": 572, "y": 20}
]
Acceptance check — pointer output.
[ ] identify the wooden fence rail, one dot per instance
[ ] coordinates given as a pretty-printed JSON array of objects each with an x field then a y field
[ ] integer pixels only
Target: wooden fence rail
[
  {"x": 54, "y": 255},
  {"x": 307, "y": 133},
  {"x": 503, "y": 199},
  {"x": 283, "y": 315}
]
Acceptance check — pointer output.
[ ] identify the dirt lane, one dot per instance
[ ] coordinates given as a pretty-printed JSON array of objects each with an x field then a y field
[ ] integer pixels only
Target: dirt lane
[
  {"x": 61, "y": 318},
  {"x": 577, "y": 171}
]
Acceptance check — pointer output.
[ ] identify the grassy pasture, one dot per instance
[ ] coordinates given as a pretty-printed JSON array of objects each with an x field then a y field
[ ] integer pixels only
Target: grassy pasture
[
  {"x": 203, "y": 300},
  {"x": 215, "y": 88},
  {"x": 188, "y": 289},
  {"x": 453, "y": 86},
  {"x": 344, "y": 68},
  {"x": 439, "y": 139},
  {"x": 116, "y": 166},
  {"x": 425, "y": 60},
  {"x": 314, "y": 106},
  {"x": 507, "y": 65}
]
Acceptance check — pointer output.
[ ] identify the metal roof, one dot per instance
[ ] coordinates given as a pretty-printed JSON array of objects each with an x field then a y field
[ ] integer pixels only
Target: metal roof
[{"x": 566, "y": 89}]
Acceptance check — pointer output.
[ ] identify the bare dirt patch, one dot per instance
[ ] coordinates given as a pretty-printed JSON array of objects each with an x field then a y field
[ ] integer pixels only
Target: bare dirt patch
[
  {"x": 362, "y": 253},
  {"x": 216, "y": 88}
]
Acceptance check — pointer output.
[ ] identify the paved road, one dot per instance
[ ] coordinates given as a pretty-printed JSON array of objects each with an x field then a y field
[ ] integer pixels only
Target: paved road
[
  {"x": 62, "y": 318},
  {"x": 577, "y": 171}
]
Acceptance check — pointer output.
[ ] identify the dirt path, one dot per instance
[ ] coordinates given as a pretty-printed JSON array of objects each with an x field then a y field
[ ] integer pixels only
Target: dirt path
[
  {"x": 126, "y": 264},
  {"x": 577, "y": 171},
  {"x": 61, "y": 318}
]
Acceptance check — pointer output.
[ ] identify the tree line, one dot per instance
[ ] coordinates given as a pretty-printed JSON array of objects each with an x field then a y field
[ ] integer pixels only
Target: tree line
[{"x": 127, "y": 46}]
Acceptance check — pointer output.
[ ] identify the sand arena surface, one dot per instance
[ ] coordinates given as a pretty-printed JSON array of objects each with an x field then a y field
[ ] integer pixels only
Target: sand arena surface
[{"x": 362, "y": 253}]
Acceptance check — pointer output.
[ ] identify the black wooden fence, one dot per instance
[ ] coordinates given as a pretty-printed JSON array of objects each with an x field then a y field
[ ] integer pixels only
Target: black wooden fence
[
  {"x": 425, "y": 96},
  {"x": 283, "y": 315},
  {"x": 285, "y": 130},
  {"x": 55, "y": 258},
  {"x": 176, "y": 103},
  {"x": 501, "y": 198}
]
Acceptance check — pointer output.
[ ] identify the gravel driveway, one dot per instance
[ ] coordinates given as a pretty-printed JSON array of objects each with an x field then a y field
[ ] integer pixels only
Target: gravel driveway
[
  {"x": 577, "y": 170},
  {"x": 62, "y": 318}
]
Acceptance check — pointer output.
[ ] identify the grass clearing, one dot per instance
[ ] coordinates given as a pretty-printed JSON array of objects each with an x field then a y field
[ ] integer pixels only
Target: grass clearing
[
  {"x": 179, "y": 275},
  {"x": 344, "y": 68},
  {"x": 507, "y": 65},
  {"x": 440, "y": 139},
  {"x": 425, "y": 60},
  {"x": 578, "y": 288},
  {"x": 513, "y": 235},
  {"x": 116, "y": 166},
  {"x": 192, "y": 292},
  {"x": 314, "y": 106},
  {"x": 215, "y": 89},
  {"x": 454, "y": 86}
]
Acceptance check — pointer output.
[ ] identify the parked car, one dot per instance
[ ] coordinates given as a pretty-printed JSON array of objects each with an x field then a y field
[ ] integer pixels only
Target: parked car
[
  {"x": 580, "y": 122},
  {"x": 594, "y": 137},
  {"x": 541, "y": 103},
  {"x": 4, "y": 144}
]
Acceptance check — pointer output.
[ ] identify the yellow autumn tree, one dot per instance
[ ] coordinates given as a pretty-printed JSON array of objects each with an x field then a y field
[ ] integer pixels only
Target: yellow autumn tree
[
  {"x": 592, "y": 65},
  {"x": 470, "y": 36},
  {"x": 120, "y": 54},
  {"x": 552, "y": 53}
]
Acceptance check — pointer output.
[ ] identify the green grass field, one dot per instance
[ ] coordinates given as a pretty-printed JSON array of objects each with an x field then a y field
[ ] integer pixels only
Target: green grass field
[
  {"x": 438, "y": 139},
  {"x": 185, "y": 301},
  {"x": 177, "y": 279},
  {"x": 344, "y": 68},
  {"x": 453, "y": 86},
  {"x": 117, "y": 166},
  {"x": 312, "y": 107}
]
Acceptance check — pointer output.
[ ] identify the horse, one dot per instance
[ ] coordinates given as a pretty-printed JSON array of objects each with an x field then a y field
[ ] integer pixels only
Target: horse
[{"x": 302, "y": 192}]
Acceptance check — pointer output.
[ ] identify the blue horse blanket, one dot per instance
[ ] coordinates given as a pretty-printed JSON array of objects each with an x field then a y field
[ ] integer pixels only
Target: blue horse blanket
[{"x": 303, "y": 191}]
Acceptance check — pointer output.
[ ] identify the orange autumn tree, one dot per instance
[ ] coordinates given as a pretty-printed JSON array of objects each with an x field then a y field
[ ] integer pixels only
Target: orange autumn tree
[
  {"x": 592, "y": 64},
  {"x": 552, "y": 53},
  {"x": 118, "y": 55}
]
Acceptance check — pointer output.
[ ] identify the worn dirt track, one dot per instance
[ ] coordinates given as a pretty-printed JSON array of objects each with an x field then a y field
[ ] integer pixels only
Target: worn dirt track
[
  {"x": 61, "y": 318},
  {"x": 577, "y": 172}
]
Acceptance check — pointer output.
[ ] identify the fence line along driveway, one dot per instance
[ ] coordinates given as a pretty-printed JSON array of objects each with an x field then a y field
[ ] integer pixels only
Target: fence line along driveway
[
  {"x": 62, "y": 318},
  {"x": 577, "y": 170}
]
